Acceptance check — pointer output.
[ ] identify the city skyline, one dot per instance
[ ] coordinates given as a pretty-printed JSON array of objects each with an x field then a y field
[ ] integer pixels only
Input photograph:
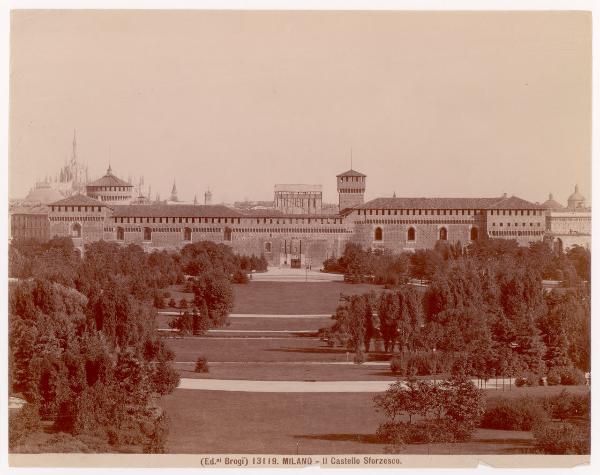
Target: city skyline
[{"x": 431, "y": 104}]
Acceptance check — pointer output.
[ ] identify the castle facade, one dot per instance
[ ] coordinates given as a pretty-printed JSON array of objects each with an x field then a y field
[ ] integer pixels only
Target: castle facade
[{"x": 294, "y": 233}]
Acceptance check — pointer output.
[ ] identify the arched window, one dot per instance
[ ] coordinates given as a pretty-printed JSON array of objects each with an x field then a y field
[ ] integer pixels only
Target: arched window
[
  {"x": 147, "y": 234},
  {"x": 474, "y": 234},
  {"x": 120, "y": 234},
  {"x": 378, "y": 234},
  {"x": 267, "y": 247},
  {"x": 443, "y": 234},
  {"x": 76, "y": 230},
  {"x": 411, "y": 234},
  {"x": 227, "y": 234},
  {"x": 187, "y": 234}
]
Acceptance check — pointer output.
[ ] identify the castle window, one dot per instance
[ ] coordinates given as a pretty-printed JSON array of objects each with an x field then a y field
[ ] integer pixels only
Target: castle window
[
  {"x": 120, "y": 234},
  {"x": 474, "y": 234},
  {"x": 443, "y": 234},
  {"x": 267, "y": 247},
  {"x": 411, "y": 234},
  {"x": 227, "y": 234},
  {"x": 187, "y": 234},
  {"x": 147, "y": 234},
  {"x": 378, "y": 234},
  {"x": 76, "y": 230}
]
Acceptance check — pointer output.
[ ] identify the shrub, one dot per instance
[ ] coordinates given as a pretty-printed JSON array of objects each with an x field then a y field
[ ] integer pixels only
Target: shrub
[
  {"x": 567, "y": 405},
  {"x": 527, "y": 379},
  {"x": 201, "y": 365},
  {"x": 553, "y": 377},
  {"x": 565, "y": 375},
  {"x": 172, "y": 303},
  {"x": 359, "y": 356},
  {"x": 422, "y": 432},
  {"x": 166, "y": 294},
  {"x": 398, "y": 366},
  {"x": 239, "y": 277},
  {"x": 158, "y": 301},
  {"x": 562, "y": 438},
  {"x": 183, "y": 303},
  {"x": 23, "y": 423},
  {"x": 572, "y": 377},
  {"x": 514, "y": 414}
]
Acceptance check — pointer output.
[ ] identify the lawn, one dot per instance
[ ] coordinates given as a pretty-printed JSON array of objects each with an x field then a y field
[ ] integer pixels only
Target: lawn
[
  {"x": 309, "y": 423},
  {"x": 288, "y": 372},
  {"x": 265, "y": 324},
  {"x": 266, "y": 348},
  {"x": 292, "y": 298},
  {"x": 254, "y": 349}
]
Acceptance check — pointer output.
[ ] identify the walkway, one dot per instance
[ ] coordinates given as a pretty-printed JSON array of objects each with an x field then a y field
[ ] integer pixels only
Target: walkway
[
  {"x": 241, "y": 385},
  {"x": 286, "y": 274}
]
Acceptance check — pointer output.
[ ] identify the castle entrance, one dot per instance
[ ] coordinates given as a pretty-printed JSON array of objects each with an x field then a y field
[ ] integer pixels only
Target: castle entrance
[{"x": 291, "y": 253}]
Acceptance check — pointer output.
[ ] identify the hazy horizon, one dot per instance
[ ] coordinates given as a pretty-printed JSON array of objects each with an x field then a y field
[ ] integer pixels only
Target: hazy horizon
[{"x": 431, "y": 103}]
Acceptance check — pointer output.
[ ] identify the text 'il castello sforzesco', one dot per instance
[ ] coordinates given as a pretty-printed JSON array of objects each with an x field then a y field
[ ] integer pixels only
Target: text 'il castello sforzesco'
[{"x": 296, "y": 229}]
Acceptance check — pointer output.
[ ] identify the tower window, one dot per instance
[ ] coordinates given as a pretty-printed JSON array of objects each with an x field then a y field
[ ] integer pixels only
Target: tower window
[{"x": 411, "y": 234}]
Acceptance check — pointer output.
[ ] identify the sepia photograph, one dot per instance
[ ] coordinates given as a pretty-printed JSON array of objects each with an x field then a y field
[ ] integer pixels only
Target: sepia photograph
[{"x": 288, "y": 238}]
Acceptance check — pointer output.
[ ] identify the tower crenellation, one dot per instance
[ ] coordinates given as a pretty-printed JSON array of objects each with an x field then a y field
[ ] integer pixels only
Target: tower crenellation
[{"x": 351, "y": 187}]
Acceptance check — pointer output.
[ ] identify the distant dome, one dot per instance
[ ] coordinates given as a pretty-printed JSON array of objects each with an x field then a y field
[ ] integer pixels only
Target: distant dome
[
  {"x": 551, "y": 203},
  {"x": 43, "y": 193},
  {"x": 576, "y": 200}
]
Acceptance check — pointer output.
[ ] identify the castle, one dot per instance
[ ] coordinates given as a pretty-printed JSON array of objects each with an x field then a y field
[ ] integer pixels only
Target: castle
[
  {"x": 295, "y": 231},
  {"x": 300, "y": 237}
]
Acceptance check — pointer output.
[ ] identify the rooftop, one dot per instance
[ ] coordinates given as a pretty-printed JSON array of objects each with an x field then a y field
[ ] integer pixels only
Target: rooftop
[
  {"x": 78, "y": 200},
  {"x": 299, "y": 188},
  {"x": 109, "y": 180},
  {"x": 512, "y": 202},
  {"x": 43, "y": 193},
  {"x": 175, "y": 211},
  {"x": 351, "y": 173}
]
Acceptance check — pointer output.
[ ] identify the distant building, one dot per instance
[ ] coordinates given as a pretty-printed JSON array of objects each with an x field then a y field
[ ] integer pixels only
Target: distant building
[
  {"x": 73, "y": 176},
  {"x": 110, "y": 189},
  {"x": 570, "y": 226},
  {"x": 298, "y": 199},
  {"x": 30, "y": 222}
]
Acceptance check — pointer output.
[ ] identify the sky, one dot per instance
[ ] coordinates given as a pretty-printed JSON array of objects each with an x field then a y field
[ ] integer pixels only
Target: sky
[{"x": 427, "y": 103}]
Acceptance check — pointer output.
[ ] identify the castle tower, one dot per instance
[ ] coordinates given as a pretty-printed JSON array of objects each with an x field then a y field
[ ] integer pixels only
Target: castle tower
[
  {"x": 351, "y": 189},
  {"x": 208, "y": 197}
]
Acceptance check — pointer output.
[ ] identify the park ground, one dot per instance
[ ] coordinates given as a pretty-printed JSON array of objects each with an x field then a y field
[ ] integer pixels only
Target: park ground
[{"x": 273, "y": 337}]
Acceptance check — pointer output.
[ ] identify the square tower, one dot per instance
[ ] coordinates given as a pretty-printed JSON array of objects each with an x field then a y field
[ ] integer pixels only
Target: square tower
[{"x": 351, "y": 189}]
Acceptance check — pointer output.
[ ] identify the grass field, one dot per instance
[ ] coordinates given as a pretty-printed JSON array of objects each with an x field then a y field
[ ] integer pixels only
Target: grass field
[
  {"x": 249, "y": 349},
  {"x": 288, "y": 372},
  {"x": 333, "y": 423},
  {"x": 291, "y": 298},
  {"x": 286, "y": 423},
  {"x": 266, "y": 324}
]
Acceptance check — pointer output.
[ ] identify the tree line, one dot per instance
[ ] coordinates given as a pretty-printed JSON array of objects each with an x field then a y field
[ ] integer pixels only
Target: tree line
[
  {"x": 391, "y": 269},
  {"x": 485, "y": 304},
  {"x": 83, "y": 348}
]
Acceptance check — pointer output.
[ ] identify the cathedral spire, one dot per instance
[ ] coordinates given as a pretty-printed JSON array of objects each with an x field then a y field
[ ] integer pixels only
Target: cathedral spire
[
  {"x": 74, "y": 156},
  {"x": 174, "y": 192}
]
